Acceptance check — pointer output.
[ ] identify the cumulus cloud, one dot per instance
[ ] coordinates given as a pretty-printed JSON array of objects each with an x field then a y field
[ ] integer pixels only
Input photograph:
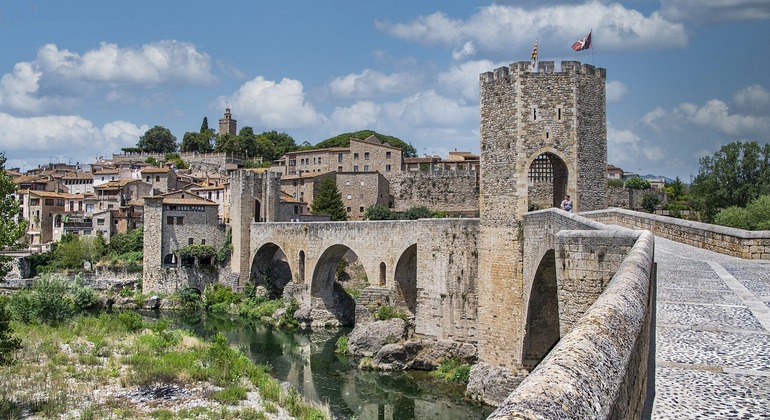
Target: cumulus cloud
[
  {"x": 714, "y": 114},
  {"x": 753, "y": 98},
  {"x": 58, "y": 77},
  {"x": 497, "y": 28},
  {"x": 371, "y": 83},
  {"x": 463, "y": 78},
  {"x": 279, "y": 105},
  {"x": 28, "y": 141},
  {"x": 615, "y": 91},
  {"x": 467, "y": 50},
  {"x": 707, "y": 11}
]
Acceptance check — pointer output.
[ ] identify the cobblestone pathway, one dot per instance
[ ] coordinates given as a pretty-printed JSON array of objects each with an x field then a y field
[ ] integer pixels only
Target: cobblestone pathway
[{"x": 712, "y": 335}]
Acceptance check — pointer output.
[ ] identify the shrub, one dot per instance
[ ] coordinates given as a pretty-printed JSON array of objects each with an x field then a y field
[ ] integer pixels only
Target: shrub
[
  {"x": 46, "y": 301},
  {"x": 735, "y": 217},
  {"x": 8, "y": 343},
  {"x": 759, "y": 213},
  {"x": 386, "y": 312},
  {"x": 130, "y": 321},
  {"x": 650, "y": 202},
  {"x": 217, "y": 293},
  {"x": 85, "y": 297},
  {"x": 452, "y": 370},
  {"x": 638, "y": 183},
  {"x": 342, "y": 345}
]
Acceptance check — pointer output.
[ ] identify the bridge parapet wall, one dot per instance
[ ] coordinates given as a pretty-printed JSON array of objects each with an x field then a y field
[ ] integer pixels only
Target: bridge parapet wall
[
  {"x": 599, "y": 369},
  {"x": 736, "y": 242}
]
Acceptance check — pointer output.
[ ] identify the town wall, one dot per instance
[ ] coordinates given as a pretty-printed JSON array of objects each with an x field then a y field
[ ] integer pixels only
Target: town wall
[{"x": 450, "y": 191}]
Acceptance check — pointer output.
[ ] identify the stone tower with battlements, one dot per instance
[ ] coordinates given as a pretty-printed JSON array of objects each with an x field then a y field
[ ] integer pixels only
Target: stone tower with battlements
[
  {"x": 545, "y": 124},
  {"x": 255, "y": 198}
]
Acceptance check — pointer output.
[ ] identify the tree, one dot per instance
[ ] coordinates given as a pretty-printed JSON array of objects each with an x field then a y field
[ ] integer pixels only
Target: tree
[
  {"x": 414, "y": 213},
  {"x": 11, "y": 228},
  {"x": 676, "y": 190},
  {"x": 650, "y": 202},
  {"x": 736, "y": 174},
  {"x": 196, "y": 142},
  {"x": 8, "y": 343},
  {"x": 157, "y": 140},
  {"x": 248, "y": 141},
  {"x": 282, "y": 143},
  {"x": 328, "y": 200}
]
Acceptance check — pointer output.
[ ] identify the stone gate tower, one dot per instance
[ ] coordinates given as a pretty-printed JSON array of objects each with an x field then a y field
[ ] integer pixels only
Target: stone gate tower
[{"x": 543, "y": 124}]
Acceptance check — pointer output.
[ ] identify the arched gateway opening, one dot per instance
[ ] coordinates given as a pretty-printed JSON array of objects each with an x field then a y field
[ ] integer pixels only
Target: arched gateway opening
[
  {"x": 270, "y": 269},
  {"x": 542, "y": 332},
  {"x": 547, "y": 181},
  {"x": 406, "y": 280},
  {"x": 336, "y": 275}
]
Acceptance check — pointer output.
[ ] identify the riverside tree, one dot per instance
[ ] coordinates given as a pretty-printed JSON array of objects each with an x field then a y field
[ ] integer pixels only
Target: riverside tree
[{"x": 12, "y": 227}]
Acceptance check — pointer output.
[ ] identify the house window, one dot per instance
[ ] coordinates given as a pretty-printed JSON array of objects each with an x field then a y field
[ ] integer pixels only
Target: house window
[
  {"x": 355, "y": 156},
  {"x": 99, "y": 222},
  {"x": 48, "y": 202},
  {"x": 360, "y": 209},
  {"x": 387, "y": 168},
  {"x": 350, "y": 196},
  {"x": 366, "y": 168},
  {"x": 296, "y": 209},
  {"x": 366, "y": 155},
  {"x": 148, "y": 178},
  {"x": 534, "y": 114},
  {"x": 558, "y": 114},
  {"x": 348, "y": 209},
  {"x": 339, "y": 169},
  {"x": 157, "y": 178},
  {"x": 180, "y": 220},
  {"x": 189, "y": 241},
  {"x": 387, "y": 155},
  {"x": 355, "y": 168},
  {"x": 217, "y": 195},
  {"x": 34, "y": 201},
  {"x": 203, "y": 241},
  {"x": 339, "y": 157},
  {"x": 209, "y": 195},
  {"x": 169, "y": 220}
]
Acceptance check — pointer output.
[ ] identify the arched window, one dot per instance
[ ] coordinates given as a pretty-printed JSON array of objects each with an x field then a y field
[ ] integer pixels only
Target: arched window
[{"x": 382, "y": 274}]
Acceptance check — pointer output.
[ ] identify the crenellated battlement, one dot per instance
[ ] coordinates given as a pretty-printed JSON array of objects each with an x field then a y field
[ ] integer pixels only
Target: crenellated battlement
[{"x": 544, "y": 67}]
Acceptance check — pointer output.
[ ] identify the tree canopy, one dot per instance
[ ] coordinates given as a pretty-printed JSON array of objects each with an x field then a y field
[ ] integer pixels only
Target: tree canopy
[
  {"x": 157, "y": 140},
  {"x": 734, "y": 176},
  {"x": 343, "y": 140},
  {"x": 11, "y": 227},
  {"x": 328, "y": 200}
]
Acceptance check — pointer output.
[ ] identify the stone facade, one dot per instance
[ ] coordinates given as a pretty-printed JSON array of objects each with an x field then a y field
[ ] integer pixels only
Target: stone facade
[
  {"x": 174, "y": 221},
  {"x": 361, "y": 190},
  {"x": 549, "y": 120},
  {"x": 451, "y": 191}
]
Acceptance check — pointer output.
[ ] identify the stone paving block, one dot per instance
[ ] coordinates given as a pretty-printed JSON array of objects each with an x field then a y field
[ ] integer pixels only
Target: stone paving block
[
  {"x": 720, "y": 349},
  {"x": 738, "y": 317}
]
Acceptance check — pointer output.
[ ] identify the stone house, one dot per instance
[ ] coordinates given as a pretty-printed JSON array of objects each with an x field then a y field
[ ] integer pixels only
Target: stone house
[
  {"x": 303, "y": 187},
  {"x": 162, "y": 180},
  {"x": 78, "y": 182},
  {"x": 46, "y": 212},
  {"x": 174, "y": 221},
  {"x": 218, "y": 193},
  {"x": 361, "y": 190}
]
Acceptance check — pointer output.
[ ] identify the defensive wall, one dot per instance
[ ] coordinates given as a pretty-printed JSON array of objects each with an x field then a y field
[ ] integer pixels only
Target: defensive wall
[
  {"x": 450, "y": 190},
  {"x": 736, "y": 242},
  {"x": 604, "y": 282}
]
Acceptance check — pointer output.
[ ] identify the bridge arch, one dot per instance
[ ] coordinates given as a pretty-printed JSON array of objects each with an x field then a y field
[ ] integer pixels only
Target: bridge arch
[
  {"x": 547, "y": 178},
  {"x": 326, "y": 292},
  {"x": 405, "y": 277},
  {"x": 542, "y": 327},
  {"x": 270, "y": 268}
]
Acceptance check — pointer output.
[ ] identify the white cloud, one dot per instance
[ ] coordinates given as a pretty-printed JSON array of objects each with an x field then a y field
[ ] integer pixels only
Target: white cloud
[
  {"x": 370, "y": 83},
  {"x": 36, "y": 140},
  {"x": 705, "y": 11},
  {"x": 498, "y": 28},
  {"x": 615, "y": 91},
  {"x": 753, "y": 98},
  {"x": 463, "y": 79},
  {"x": 467, "y": 50},
  {"x": 714, "y": 114},
  {"x": 361, "y": 115},
  {"x": 279, "y": 105},
  {"x": 56, "y": 78}
]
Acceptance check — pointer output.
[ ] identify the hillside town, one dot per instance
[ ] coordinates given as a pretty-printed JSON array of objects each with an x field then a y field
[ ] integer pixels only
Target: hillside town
[{"x": 107, "y": 196}]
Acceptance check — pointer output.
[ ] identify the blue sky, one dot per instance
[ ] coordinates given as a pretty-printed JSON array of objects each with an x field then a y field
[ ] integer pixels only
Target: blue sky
[{"x": 84, "y": 79}]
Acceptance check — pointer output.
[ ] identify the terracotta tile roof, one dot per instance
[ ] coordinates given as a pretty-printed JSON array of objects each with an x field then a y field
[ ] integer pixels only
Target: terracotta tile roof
[{"x": 155, "y": 170}]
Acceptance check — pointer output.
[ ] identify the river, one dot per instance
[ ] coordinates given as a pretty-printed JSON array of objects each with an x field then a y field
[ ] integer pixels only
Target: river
[{"x": 306, "y": 359}]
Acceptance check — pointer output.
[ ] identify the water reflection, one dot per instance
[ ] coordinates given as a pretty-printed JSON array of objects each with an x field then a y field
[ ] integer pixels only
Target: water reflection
[{"x": 307, "y": 360}]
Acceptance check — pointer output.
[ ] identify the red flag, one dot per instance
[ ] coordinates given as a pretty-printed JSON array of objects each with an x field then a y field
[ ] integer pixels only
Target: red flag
[{"x": 583, "y": 44}]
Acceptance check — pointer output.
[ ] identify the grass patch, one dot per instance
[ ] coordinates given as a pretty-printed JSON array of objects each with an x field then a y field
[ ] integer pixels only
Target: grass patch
[
  {"x": 453, "y": 370},
  {"x": 231, "y": 394}
]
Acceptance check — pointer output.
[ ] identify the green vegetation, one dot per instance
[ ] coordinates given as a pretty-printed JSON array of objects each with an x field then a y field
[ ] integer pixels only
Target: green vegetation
[
  {"x": 734, "y": 176},
  {"x": 9, "y": 343},
  {"x": 453, "y": 371},
  {"x": 386, "y": 312},
  {"x": 650, "y": 202},
  {"x": 157, "y": 140},
  {"x": 342, "y": 345},
  {"x": 61, "y": 368},
  {"x": 10, "y": 208},
  {"x": 615, "y": 182},
  {"x": 328, "y": 200},
  {"x": 755, "y": 216},
  {"x": 378, "y": 212},
  {"x": 637, "y": 183},
  {"x": 343, "y": 140}
]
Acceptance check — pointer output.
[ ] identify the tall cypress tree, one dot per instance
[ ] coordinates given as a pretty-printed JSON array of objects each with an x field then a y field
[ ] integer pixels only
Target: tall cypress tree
[{"x": 328, "y": 200}]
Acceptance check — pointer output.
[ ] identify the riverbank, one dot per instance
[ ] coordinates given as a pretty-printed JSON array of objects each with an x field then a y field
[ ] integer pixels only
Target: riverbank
[{"x": 120, "y": 366}]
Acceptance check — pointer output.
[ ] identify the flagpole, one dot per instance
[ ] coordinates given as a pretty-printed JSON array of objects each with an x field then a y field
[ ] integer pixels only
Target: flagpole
[{"x": 593, "y": 61}]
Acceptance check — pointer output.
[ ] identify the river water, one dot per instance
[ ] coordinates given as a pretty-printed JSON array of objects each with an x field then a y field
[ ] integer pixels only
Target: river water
[{"x": 307, "y": 360}]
